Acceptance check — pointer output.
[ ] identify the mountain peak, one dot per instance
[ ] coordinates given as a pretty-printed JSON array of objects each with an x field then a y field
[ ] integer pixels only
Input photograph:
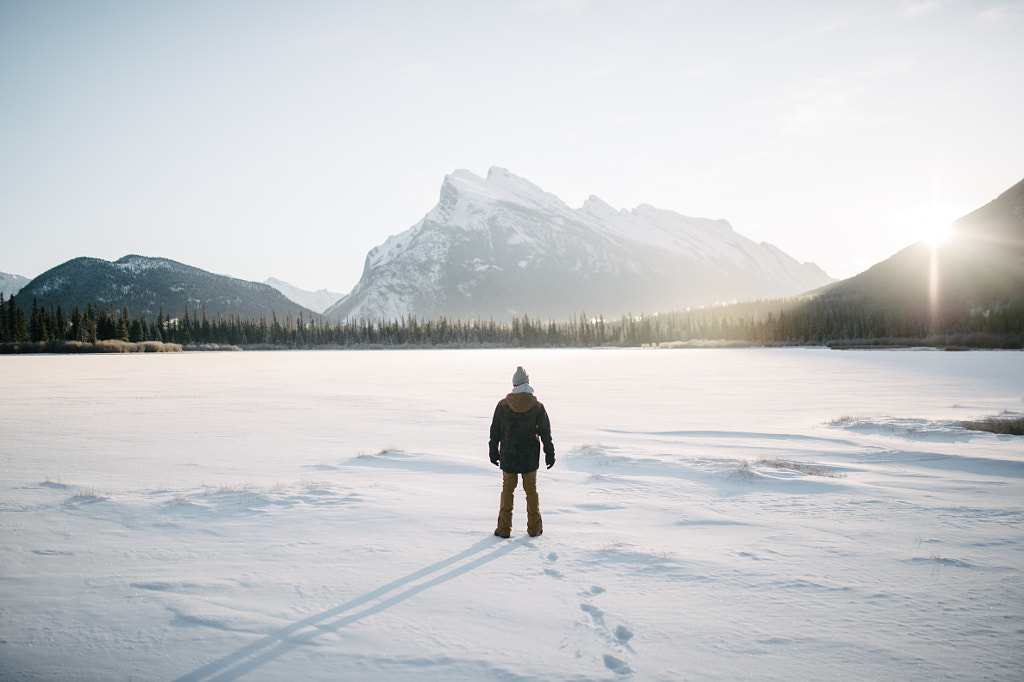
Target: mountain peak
[
  {"x": 497, "y": 172},
  {"x": 596, "y": 206},
  {"x": 135, "y": 263},
  {"x": 501, "y": 245},
  {"x": 467, "y": 184},
  {"x": 501, "y": 177},
  {"x": 500, "y": 186}
]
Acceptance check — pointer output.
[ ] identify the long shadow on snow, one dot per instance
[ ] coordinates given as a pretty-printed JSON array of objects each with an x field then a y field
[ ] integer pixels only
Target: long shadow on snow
[{"x": 275, "y": 645}]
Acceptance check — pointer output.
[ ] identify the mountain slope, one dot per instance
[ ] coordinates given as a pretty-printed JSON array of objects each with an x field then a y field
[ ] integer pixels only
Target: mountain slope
[
  {"x": 318, "y": 301},
  {"x": 11, "y": 284},
  {"x": 147, "y": 284},
  {"x": 501, "y": 246},
  {"x": 977, "y": 271}
]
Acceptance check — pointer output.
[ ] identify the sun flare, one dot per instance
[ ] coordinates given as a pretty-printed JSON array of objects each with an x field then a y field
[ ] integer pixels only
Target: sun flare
[
  {"x": 938, "y": 234},
  {"x": 929, "y": 223}
]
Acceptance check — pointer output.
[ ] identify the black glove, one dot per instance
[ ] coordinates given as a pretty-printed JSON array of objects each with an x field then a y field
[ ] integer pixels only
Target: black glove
[
  {"x": 550, "y": 461},
  {"x": 496, "y": 462}
]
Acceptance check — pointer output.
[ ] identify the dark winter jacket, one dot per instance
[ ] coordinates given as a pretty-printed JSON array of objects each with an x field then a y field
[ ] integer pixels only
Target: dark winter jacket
[{"x": 519, "y": 426}]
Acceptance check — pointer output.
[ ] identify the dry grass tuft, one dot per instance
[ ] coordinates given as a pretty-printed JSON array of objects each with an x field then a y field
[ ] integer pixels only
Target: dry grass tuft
[
  {"x": 1009, "y": 426},
  {"x": 234, "y": 487},
  {"x": 85, "y": 496},
  {"x": 742, "y": 471},
  {"x": 315, "y": 486},
  {"x": 809, "y": 469}
]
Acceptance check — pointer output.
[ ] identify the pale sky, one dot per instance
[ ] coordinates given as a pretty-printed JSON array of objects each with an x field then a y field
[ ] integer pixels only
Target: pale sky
[{"x": 285, "y": 139}]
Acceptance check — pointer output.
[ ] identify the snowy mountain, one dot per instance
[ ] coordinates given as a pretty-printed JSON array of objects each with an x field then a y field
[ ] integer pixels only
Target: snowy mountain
[
  {"x": 319, "y": 300},
  {"x": 146, "y": 285},
  {"x": 502, "y": 246},
  {"x": 11, "y": 284}
]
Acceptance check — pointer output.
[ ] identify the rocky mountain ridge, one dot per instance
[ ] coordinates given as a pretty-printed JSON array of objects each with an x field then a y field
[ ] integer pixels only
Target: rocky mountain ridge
[{"x": 501, "y": 246}]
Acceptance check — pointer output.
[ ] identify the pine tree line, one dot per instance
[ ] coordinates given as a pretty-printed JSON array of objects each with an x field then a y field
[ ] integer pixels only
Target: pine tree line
[
  {"x": 196, "y": 327},
  {"x": 95, "y": 324},
  {"x": 815, "y": 321},
  {"x": 835, "y": 321}
]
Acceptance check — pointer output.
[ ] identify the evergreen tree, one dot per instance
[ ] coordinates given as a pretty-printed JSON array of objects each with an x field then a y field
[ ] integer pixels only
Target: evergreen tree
[
  {"x": 124, "y": 325},
  {"x": 75, "y": 333},
  {"x": 39, "y": 327},
  {"x": 186, "y": 327},
  {"x": 106, "y": 324},
  {"x": 138, "y": 331},
  {"x": 5, "y": 327},
  {"x": 16, "y": 321},
  {"x": 160, "y": 333},
  {"x": 90, "y": 328},
  {"x": 204, "y": 330},
  {"x": 60, "y": 331}
]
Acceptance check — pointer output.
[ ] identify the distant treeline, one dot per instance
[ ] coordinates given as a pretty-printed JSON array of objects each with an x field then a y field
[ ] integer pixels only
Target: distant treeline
[{"x": 807, "y": 321}]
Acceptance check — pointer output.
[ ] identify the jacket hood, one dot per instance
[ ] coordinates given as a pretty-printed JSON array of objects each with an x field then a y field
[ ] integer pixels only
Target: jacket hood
[{"x": 521, "y": 402}]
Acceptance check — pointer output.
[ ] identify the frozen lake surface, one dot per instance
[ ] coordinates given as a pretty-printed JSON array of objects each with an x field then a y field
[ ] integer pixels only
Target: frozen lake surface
[{"x": 712, "y": 515}]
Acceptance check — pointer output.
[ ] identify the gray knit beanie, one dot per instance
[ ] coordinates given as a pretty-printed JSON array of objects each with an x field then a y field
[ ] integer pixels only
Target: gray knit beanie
[{"x": 520, "y": 377}]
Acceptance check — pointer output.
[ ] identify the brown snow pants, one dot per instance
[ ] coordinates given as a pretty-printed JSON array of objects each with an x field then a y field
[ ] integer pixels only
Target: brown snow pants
[{"x": 508, "y": 488}]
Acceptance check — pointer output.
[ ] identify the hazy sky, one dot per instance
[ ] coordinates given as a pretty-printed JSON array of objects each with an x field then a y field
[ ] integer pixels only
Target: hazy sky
[{"x": 287, "y": 138}]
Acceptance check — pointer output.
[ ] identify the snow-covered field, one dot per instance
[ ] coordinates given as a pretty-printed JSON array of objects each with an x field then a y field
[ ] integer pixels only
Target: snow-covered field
[{"x": 328, "y": 515}]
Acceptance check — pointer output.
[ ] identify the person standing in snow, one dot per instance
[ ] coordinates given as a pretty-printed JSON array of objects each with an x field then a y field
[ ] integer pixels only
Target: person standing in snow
[{"x": 519, "y": 426}]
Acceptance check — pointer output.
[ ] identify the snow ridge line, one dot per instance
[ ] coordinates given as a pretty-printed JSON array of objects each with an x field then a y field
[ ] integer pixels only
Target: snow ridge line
[{"x": 271, "y": 647}]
